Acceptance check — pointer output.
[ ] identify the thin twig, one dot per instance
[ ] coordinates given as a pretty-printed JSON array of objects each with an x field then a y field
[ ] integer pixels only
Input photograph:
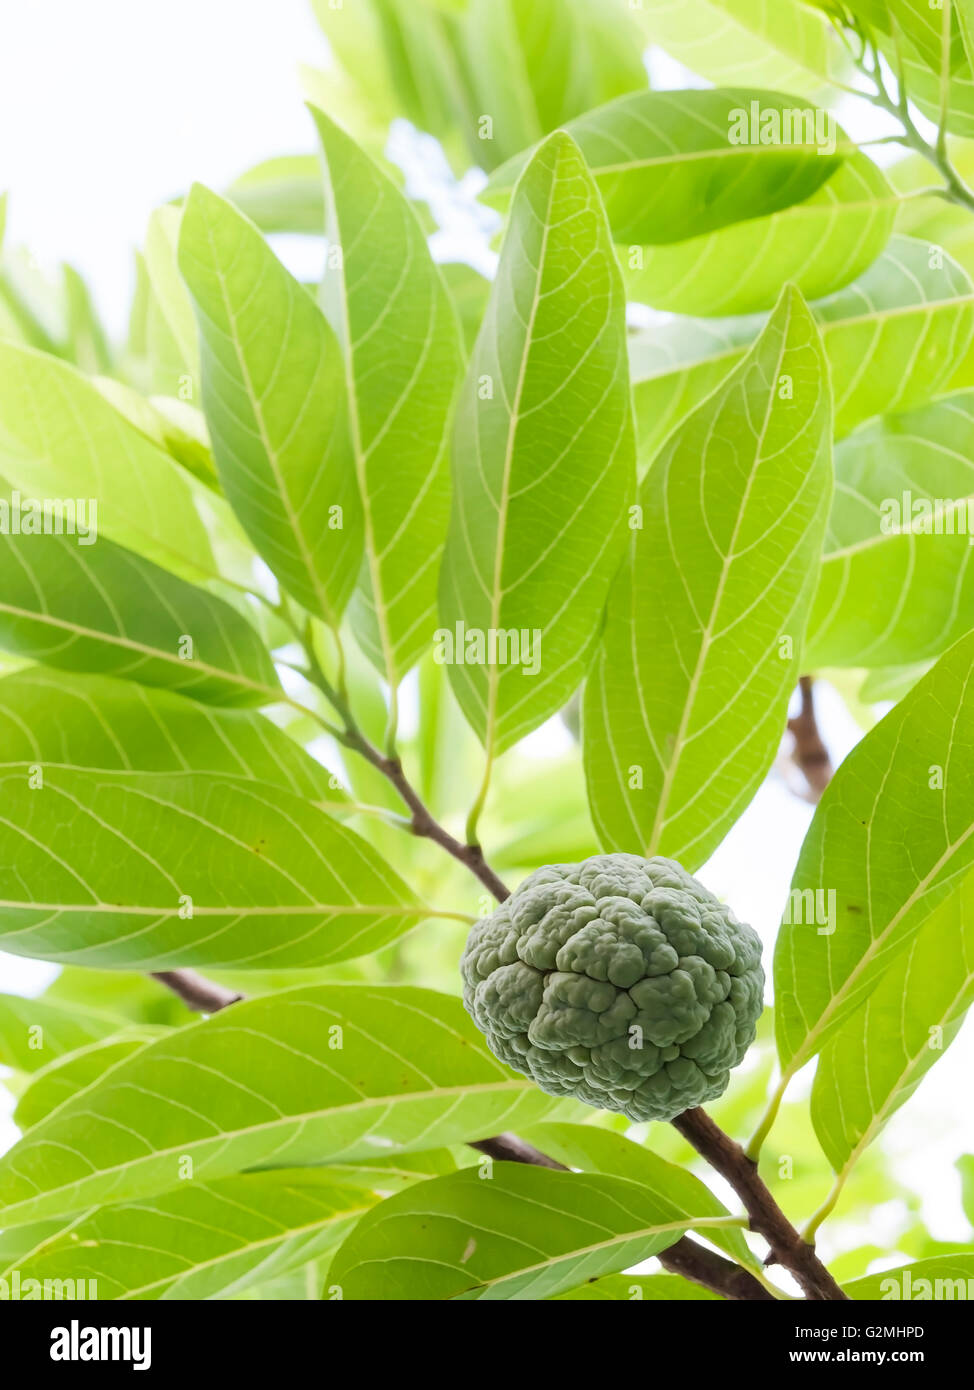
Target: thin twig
[{"x": 767, "y": 1219}]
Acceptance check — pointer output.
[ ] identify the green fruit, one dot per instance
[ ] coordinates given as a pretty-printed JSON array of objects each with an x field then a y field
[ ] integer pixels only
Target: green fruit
[{"x": 620, "y": 981}]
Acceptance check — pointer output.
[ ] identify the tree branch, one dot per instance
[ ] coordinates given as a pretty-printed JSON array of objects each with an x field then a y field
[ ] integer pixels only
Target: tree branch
[
  {"x": 423, "y": 821},
  {"x": 767, "y": 1219},
  {"x": 198, "y": 994},
  {"x": 810, "y": 753},
  {"x": 686, "y": 1256}
]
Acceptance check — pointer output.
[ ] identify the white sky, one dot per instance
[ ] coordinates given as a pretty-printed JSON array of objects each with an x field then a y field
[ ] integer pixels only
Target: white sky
[{"x": 110, "y": 107}]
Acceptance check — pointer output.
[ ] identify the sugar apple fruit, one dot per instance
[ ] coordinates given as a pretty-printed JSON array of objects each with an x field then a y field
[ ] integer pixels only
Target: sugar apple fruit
[{"x": 620, "y": 981}]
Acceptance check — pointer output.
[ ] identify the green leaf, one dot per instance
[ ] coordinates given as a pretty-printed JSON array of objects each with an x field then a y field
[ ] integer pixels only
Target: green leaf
[
  {"x": 292, "y": 1079},
  {"x": 597, "y": 1150},
  {"x": 894, "y": 340},
  {"x": 34, "y": 1033},
  {"x": 924, "y": 86},
  {"x": 94, "y": 721},
  {"x": 897, "y": 581},
  {"x": 922, "y": 24},
  {"x": 785, "y": 45},
  {"x": 965, "y": 1167},
  {"x": 963, "y": 13},
  {"x": 100, "y": 608},
  {"x": 527, "y": 65},
  {"x": 88, "y": 343},
  {"x": 543, "y": 458},
  {"x": 66, "y": 1076},
  {"x": 878, "y": 1057},
  {"x": 119, "y": 870},
  {"x": 273, "y": 394},
  {"x": 818, "y": 245},
  {"x": 943, "y": 1278},
  {"x": 169, "y": 292},
  {"x": 519, "y": 1233},
  {"x": 59, "y": 438},
  {"x": 634, "y": 1288},
  {"x": 403, "y": 359},
  {"x": 174, "y": 425},
  {"x": 892, "y": 837},
  {"x": 282, "y": 195},
  {"x": 535, "y": 64},
  {"x": 205, "y": 1240},
  {"x": 470, "y": 292},
  {"x": 669, "y": 167},
  {"x": 720, "y": 573}
]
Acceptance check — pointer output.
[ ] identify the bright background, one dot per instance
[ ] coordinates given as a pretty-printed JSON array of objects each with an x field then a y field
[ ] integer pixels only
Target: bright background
[{"x": 112, "y": 107}]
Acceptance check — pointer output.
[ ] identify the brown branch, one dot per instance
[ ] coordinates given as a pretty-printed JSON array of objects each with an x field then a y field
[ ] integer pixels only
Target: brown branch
[
  {"x": 510, "y": 1149},
  {"x": 198, "y": 994},
  {"x": 810, "y": 753},
  {"x": 685, "y": 1256},
  {"x": 703, "y": 1266},
  {"x": 423, "y": 821},
  {"x": 766, "y": 1217}
]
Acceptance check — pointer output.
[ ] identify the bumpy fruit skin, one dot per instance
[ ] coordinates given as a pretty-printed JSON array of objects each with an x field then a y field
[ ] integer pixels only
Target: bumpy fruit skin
[{"x": 620, "y": 981}]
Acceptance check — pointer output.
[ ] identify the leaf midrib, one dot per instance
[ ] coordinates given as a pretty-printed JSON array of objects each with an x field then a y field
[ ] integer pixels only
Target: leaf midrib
[
  {"x": 491, "y": 1088},
  {"x": 672, "y": 766},
  {"x": 129, "y": 644}
]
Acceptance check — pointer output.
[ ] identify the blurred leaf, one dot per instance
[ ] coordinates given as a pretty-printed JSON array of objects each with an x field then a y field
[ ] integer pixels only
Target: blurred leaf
[
  {"x": 785, "y": 44},
  {"x": 543, "y": 458},
  {"x": 470, "y": 292},
  {"x": 818, "y": 245},
  {"x": 205, "y": 1240},
  {"x": 89, "y": 346},
  {"x": 33, "y": 1032},
  {"x": 894, "y": 339},
  {"x": 271, "y": 1081},
  {"x": 59, "y": 438},
  {"x": 536, "y": 64},
  {"x": 282, "y": 195},
  {"x": 96, "y": 722},
  {"x": 891, "y": 682},
  {"x": 173, "y": 425},
  {"x": 897, "y": 585},
  {"x": 132, "y": 999},
  {"x": 524, "y": 66},
  {"x": 965, "y": 1166},
  {"x": 668, "y": 166},
  {"x": 168, "y": 290},
  {"x": 721, "y": 571},
  {"x": 949, "y": 1277}
]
